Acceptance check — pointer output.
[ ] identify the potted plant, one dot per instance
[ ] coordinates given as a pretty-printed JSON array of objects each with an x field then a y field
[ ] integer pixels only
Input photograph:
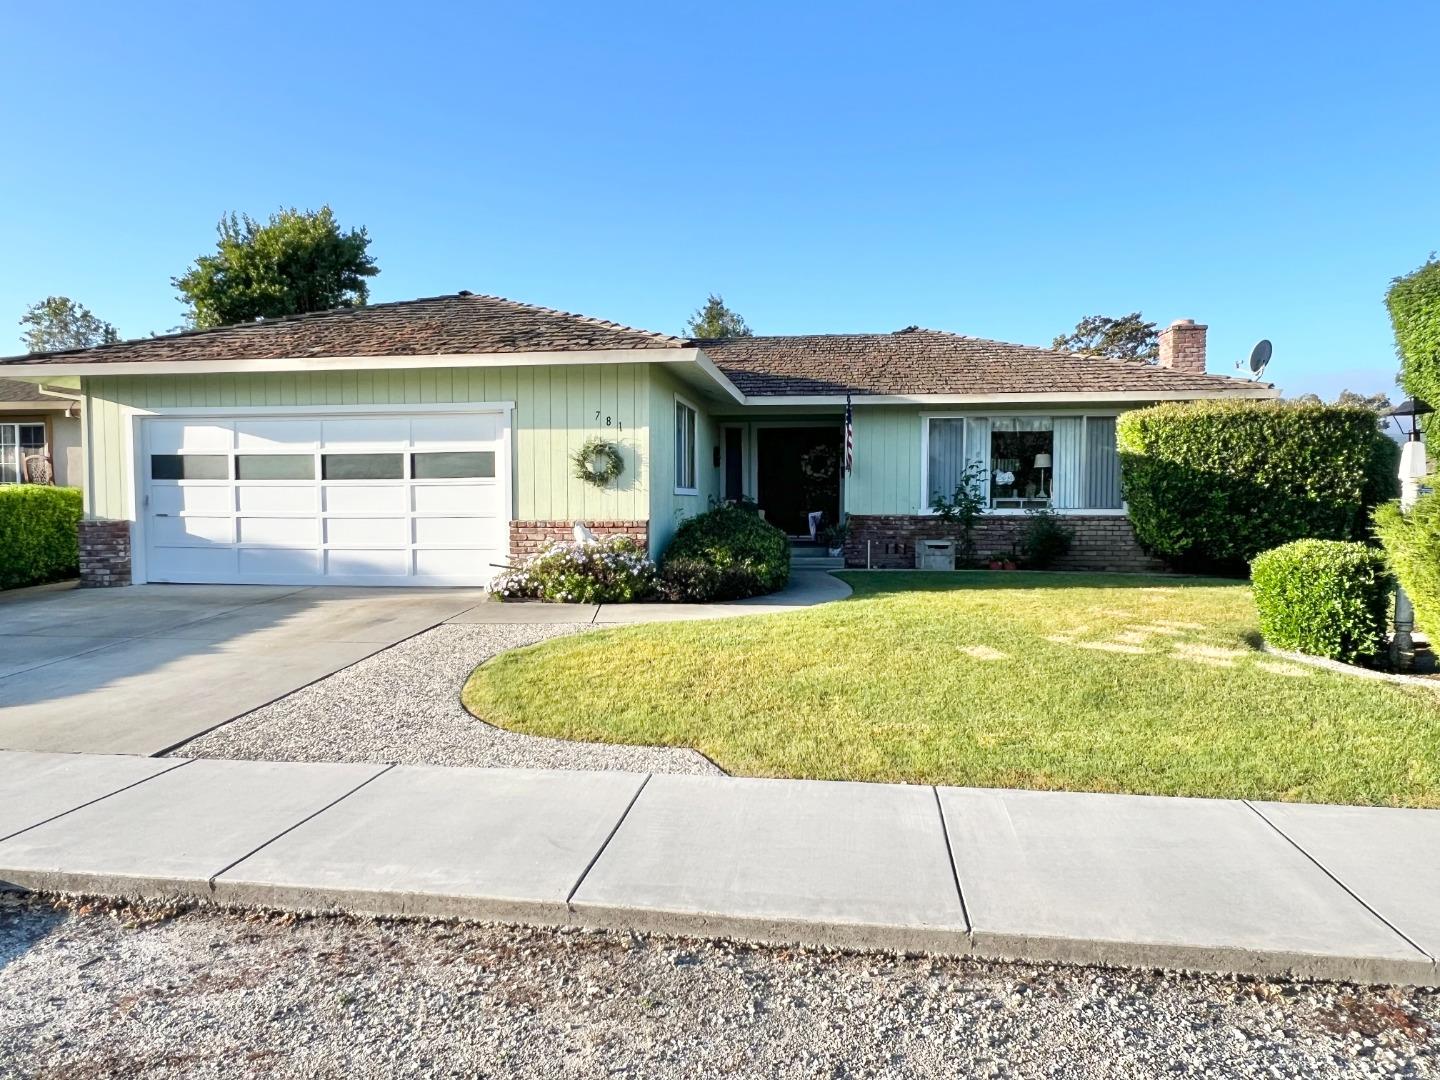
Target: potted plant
[{"x": 835, "y": 537}]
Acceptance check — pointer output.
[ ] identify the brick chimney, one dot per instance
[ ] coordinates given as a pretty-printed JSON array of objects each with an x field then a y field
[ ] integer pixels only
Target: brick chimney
[{"x": 1182, "y": 346}]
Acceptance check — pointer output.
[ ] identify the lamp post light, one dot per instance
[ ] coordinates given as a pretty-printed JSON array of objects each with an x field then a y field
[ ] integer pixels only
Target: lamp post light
[{"x": 1412, "y": 472}]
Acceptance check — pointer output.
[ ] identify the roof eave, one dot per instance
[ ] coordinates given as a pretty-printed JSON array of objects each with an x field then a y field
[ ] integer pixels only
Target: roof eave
[
  {"x": 656, "y": 354},
  {"x": 1252, "y": 392}
]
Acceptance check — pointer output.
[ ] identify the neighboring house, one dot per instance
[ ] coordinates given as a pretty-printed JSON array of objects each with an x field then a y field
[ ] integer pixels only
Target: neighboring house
[
  {"x": 426, "y": 442},
  {"x": 39, "y": 432}
]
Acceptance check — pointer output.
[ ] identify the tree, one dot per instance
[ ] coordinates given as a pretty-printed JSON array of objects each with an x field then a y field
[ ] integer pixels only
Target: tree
[
  {"x": 296, "y": 262},
  {"x": 57, "y": 322},
  {"x": 715, "y": 320},
  {"x": 1129, "y": 337},
  {"x": 1376, "y": 403},
  {"x": 1414, "y": 305}
]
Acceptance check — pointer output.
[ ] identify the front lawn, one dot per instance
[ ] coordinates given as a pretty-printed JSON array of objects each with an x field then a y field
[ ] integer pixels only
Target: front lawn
[{"x": 1090, "y": 682}]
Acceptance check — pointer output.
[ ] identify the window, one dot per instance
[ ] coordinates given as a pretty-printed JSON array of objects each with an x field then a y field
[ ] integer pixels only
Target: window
[
  {"x": 362, "y": 466},
  {"x": 18, "y": 442},
  {"x": 1026, "y": 462},
  {"x": 685, "y": 450},
  {"x": 453, "y": 465},
  {"x": 275, "y": 467},
  {"x": 189, "y": 467}
]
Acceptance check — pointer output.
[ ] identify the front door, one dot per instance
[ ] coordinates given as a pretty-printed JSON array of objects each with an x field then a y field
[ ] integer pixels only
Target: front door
[{"x": 797, "y": 474}]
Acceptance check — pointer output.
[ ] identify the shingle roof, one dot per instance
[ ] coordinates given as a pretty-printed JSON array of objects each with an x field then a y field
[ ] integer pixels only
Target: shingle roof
[
  {"x": 15, "y": 390},
  {"x": 435, "y": 326},
  {"x": 915, "y": 361}
]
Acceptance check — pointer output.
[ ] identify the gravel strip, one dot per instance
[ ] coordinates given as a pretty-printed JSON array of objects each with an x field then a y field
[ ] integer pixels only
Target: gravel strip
[
  {"x": 403, "y": 705},
  {"x": 109, "y": 991}
]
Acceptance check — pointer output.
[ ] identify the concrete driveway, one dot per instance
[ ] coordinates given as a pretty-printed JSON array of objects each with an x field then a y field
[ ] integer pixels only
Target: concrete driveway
[{"x": 141, "y": 669}]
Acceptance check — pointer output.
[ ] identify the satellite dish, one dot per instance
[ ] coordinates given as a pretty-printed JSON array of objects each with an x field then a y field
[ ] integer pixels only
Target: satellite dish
[{"x": 1260, "y": 356}]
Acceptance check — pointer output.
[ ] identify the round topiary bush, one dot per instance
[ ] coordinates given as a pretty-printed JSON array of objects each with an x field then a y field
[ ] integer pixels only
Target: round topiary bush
[
  {"x": 1209, "y": 485},
  {"x": 1326, "y": 598},
  {"x": 748, "y": 557}
]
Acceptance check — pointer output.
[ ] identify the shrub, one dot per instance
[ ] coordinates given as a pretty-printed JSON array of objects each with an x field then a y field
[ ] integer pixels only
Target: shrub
[
  {"x": 1414, "y": 304},
  {"x": 1044, "y": 539},
  {"x": 1412, "y": 546},
  {"x": 1323, "y": 597},
  {"x": 1209, "y": 485},
  {"x": 753, "y": 557},
  {"x": 39, "y": 534},
  {"x": 696, "y": 581},
  {"x": 612, "y": 571}
]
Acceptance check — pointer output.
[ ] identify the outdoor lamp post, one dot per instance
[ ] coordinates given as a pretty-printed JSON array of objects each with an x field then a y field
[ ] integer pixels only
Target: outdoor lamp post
[{"x": 1412, "y": 472}]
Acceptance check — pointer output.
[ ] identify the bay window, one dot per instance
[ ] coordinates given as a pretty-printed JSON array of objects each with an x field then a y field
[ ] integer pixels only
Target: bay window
[{"x": 1025, "y": 462}]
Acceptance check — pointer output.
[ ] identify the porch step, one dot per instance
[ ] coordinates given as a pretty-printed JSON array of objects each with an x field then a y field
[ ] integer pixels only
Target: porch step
[{"x": 805, "y": 556}]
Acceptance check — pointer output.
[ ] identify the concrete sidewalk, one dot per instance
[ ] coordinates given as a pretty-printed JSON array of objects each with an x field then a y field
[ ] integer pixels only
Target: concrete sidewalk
[{"x": 1346, "y": 893}]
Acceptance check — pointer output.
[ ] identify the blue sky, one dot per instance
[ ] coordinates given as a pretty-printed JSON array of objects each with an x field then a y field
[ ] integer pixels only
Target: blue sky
[{"x": 999, "y": 170}]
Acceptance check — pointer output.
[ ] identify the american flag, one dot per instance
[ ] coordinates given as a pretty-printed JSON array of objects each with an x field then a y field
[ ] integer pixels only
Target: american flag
[{"x": 849, "y": 436}]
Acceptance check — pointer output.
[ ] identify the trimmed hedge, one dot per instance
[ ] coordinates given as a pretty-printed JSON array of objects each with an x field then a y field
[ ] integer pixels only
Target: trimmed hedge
[
  {"x": 1414, "y": 305},
  {"x": 1209, "y": 485},
  {"x": 39, "y": 534},
  {"x": 1412, "y": 544},
  {"x": 746, "y": 557},
  {"x": 1326, "y": 598}
]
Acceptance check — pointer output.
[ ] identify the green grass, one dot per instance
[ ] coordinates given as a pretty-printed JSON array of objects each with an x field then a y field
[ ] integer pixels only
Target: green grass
[{"x": 895, "y": 684}]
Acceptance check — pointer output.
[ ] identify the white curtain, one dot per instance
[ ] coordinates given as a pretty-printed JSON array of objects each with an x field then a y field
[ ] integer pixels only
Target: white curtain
[
  {"x": 977, "y": 450},
  {"x": 946, "y": 458},
  {"x": 1068, "y": 492}
]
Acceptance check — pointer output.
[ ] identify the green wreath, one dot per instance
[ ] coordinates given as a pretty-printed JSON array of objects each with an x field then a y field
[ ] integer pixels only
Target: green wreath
[{"x": 598, "y": 462}]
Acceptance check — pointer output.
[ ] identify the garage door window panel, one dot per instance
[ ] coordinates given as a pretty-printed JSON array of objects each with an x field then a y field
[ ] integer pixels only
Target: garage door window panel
[
  {"x": 453, "y": 465},
  {"x": 362, "y": 466},
  {"x": 190, "y": 467},
  {"x": 275, "y": 467}
]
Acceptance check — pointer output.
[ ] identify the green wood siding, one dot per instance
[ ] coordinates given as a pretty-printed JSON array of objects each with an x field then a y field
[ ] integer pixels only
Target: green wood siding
[
  {"x": 668, "y": 509},
  {"x": 555, "y": 411},
  {"x": 886, "y": 479}
]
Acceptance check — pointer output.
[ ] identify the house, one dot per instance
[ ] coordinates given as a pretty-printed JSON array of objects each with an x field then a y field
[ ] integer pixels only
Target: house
[
  {"x": 39, "y": 435},
  {"x": 430, "y": 441}
]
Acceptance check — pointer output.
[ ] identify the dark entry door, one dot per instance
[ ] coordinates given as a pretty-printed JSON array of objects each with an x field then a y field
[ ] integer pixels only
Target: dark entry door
[{"x": 797, "y": 472}]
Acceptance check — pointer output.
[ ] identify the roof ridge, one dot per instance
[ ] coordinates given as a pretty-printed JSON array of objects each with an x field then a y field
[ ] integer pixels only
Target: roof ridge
[{"x": 593, "y": 320}]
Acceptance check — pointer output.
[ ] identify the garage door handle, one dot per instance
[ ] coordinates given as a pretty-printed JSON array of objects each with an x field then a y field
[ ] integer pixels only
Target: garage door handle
[{"x": 162, "y": 515}]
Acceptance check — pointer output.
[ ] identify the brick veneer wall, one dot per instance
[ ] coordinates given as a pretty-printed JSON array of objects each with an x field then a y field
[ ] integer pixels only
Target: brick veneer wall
[
  {"x": 530, "y": 537},
  {"x": 104, "y": 553},
  {"x": 1102, "y": 541}
]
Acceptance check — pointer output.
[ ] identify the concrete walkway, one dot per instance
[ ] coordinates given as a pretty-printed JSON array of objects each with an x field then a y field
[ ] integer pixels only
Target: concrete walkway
[
  {"x": 1343, "y": 893},
  {"x": 145, "y": 669}
]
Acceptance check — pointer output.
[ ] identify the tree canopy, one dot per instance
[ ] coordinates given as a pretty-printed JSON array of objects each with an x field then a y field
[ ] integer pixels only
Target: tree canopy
[
  {"x": 1414, "y": 304},
  {"x": 57, "y": 322},
  {"x": 1129, "y": 337},
  {"x": 715, "y": 320},
  {"x": 298, "y": 261}
]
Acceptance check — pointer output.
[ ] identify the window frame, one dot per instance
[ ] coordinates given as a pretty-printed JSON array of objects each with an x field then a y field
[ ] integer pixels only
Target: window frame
[
  {"x": 1009, "y": 414},
  {"x": 681, "y": 488},
  {"x": 44, "y": 427}
]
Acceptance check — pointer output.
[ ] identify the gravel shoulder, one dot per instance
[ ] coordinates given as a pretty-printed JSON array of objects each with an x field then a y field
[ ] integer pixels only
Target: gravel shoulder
[
  {"x": 403, "y": 705},
  {"x": 92, "y": 990}
]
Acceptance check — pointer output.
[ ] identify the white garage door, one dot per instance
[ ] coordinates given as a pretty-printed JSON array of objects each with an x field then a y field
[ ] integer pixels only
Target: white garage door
[{"x": 394, "y": 499}]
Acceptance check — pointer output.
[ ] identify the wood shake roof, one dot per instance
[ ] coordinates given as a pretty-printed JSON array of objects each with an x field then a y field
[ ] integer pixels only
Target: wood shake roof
[
  {"x": 907, "y": 362},
  {"x": 435, "y": 326},
  {"x": 915, "y": 361}
]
